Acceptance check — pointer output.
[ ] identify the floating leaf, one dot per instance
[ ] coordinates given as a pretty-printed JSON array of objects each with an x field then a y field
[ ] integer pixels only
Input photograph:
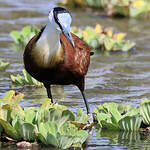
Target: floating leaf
[
  {"x": 108, "y": 43},
  {"x": 69, "y": 115},
  {"x": 16, "y": 36},
  {"x": 145, "y": 111},
  {"x": 8, "y": 97},
  {"x": 130, "y": 123},
  {"x": 27, "y": 79},
  {"x": 26, "y": 130},
  {"x": 81, "y": 116},
  {"x": 48, "y": 133},
  {"x": 9, "y": 130},
  {"x": 26, "y": 31}
]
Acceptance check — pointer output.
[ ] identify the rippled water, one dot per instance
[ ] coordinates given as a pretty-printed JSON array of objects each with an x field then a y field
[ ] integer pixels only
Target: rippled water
[{"x": 119, "y": 77}]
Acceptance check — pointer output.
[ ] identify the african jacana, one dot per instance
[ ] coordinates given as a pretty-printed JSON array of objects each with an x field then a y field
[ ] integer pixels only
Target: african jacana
[{"x": 56, "y": 56}]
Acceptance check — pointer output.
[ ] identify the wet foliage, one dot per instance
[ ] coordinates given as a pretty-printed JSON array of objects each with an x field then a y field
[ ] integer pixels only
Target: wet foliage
[
  {"x": 128, "y": 8},
  {"x": 3, "y": 65},
  {"x": 50, "y": 125}
]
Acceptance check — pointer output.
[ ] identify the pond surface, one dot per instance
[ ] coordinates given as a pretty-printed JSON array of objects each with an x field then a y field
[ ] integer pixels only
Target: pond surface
[{"x": 120, "y": 77}]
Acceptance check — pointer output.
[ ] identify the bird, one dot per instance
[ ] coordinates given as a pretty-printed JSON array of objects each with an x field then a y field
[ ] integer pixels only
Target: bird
[{"x": 55, "y": 56}]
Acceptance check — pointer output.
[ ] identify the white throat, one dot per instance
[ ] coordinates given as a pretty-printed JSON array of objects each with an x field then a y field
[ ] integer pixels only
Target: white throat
[{"x": 47, "y": 50}]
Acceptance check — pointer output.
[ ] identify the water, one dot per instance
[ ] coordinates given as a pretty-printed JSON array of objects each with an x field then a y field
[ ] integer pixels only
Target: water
[{"x": 120, "y": 77}]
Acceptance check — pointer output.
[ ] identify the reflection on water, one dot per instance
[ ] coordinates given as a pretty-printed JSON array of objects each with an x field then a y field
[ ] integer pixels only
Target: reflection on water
[{"x": 119, "y": 77}]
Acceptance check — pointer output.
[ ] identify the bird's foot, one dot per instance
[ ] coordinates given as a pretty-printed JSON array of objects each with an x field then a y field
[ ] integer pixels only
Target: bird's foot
[
  {"x": 91, "y": 121},
  {"x": 91, "y": 118},
  {"x": 54, "y": 103}
]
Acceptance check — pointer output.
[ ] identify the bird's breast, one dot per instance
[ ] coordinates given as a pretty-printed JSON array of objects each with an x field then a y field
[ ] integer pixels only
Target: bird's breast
[{"x": 47, "y": 57}]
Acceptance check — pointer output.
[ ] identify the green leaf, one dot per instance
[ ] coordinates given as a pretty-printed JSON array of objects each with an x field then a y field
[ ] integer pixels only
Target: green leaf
[
  {"x": 82, "y": 136},
  {"x": 48, "y": 133},
  {"x": 65, "y": 142},
  {"x": 145, "y": 111},
  {"x": 45, "y": 104},
  {"x": 81, "y": 117},
  {"x": 30, "y": 114},
  {"x": 3, "y": 65},
  {"x": 9, "y": 130},
  {"x": 26, "y": 31},
  {"x": 42, "y": 139},
  {"x": 48, "y": 127},
  {"x": 69, "y": 115},
  {"x": 20, "y": 80},
  {"x": 130, "y": 123},
  {"x": 26, "y": 80},
  {"x": 132, "y": 112},
  {"x": 109, "y": 125},
  {"x": 108, "y": 43},
  {"x": 26, "y": 130},
  {"x": 28, "y": 77},
  {"x": 128, "y": 46},
  {"x": 113, "y": 109},
  {"x": 52, "y": 140},
  {"x": 5, "y": 112},
  {"x": 16, "y": 36},
  {"x": 144, "y": 101},
  {"x": 8, "y": 97},
  {"x": 17, "y": 113},
  {"x": 101, "y": 117},
  {"x": 123, "y": 109}
]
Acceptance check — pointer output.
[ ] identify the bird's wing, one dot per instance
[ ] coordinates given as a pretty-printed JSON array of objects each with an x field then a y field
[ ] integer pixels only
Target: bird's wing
[{"x": 77, "y": 59}]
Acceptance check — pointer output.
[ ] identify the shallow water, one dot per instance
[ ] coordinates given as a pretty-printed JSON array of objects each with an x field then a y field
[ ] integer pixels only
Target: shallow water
[{"x": 120, "y": 77}]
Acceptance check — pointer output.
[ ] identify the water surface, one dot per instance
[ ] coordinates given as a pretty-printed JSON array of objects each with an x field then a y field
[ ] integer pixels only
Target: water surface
[{"x": 120, "y": 77}]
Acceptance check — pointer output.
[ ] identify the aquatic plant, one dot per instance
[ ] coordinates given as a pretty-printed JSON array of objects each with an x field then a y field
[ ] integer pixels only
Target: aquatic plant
[
  {"x": 26, "y": 79},
  {"x": 21, "y": 38},
  {"x": 113, "y": 116},
  {"x": 104, "y": 39},
  {"x": 51, "y": 124},
  {"x": 97, "y": 38},
  {"x": 3, "y": 65},
  {"x": 145, "y": 111},
  {"x": 55, "y": 125},
  {"x": 129, "y": 8}
]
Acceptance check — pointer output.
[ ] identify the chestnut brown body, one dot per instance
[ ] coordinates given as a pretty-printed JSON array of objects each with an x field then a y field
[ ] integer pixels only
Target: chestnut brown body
[{"x": 71, "y": 69}]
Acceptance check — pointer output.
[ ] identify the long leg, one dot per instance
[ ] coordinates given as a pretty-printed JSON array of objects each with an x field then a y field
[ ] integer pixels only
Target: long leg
[
  {"x": 90, "y": 115},
  {"x": 49, "y": 94},
  {"x": 86, "y": 102}
]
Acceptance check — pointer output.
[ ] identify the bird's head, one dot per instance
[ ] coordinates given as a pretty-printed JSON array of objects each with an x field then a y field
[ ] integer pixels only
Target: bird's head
[{"x": 61, "y": 19}]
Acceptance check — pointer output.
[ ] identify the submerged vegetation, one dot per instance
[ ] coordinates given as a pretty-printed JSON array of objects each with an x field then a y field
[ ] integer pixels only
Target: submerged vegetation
[
  {"x": 128, "y": 8},
  {"x": 55, "y": 125},
  {"x": 97, "y": 37}
]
